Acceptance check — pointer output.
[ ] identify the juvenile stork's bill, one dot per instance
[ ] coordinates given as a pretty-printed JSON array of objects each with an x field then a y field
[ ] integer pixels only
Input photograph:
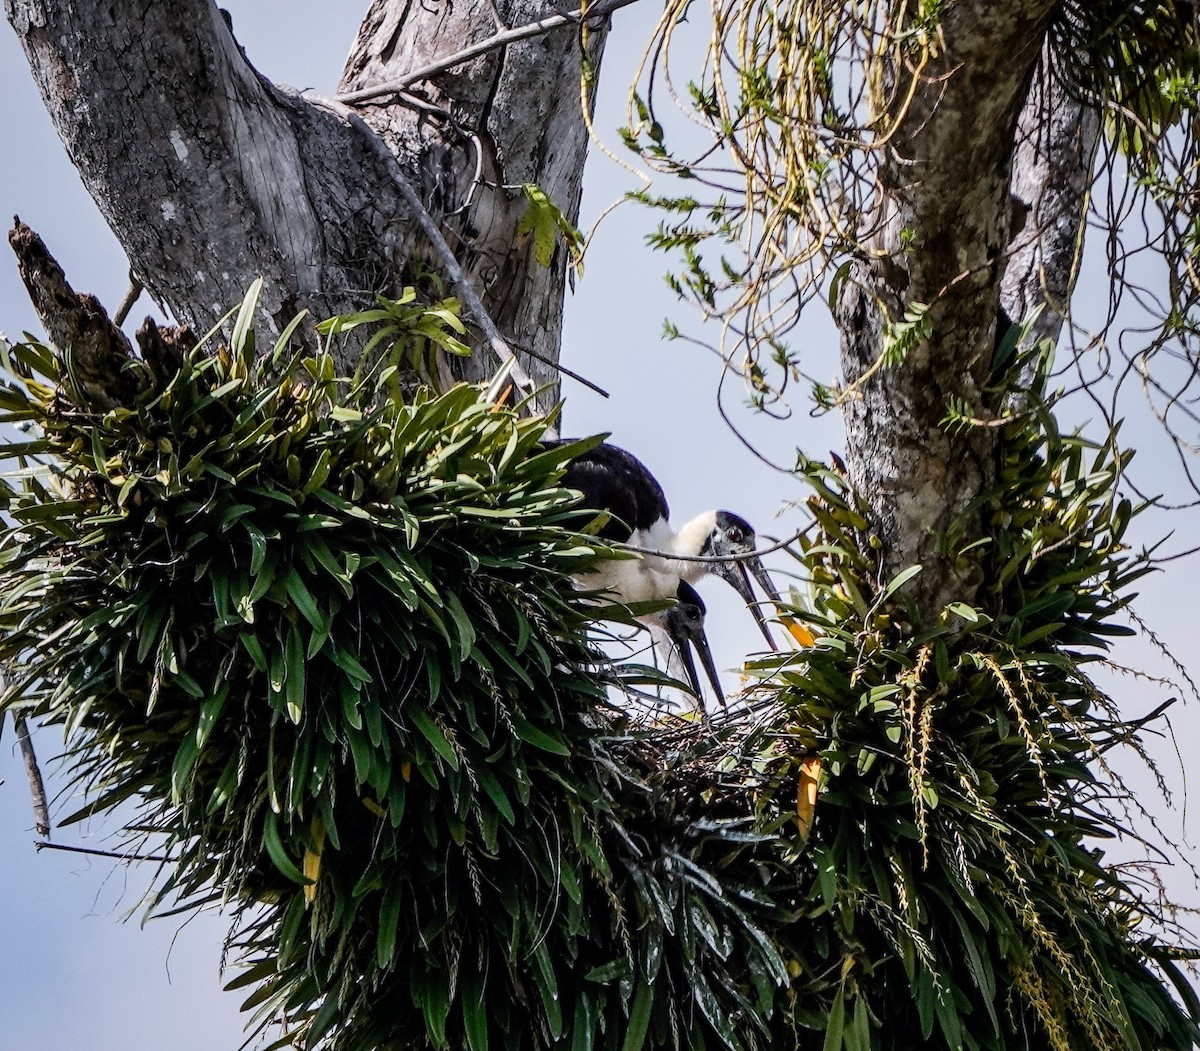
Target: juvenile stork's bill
[
  {"x": 683, "y": 624},
  {"x": 617, "y": 483}
]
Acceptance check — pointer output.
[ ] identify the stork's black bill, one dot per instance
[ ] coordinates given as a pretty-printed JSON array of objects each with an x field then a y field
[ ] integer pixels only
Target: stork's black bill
[
  {"x": 684, "y": 623},
  {"x": 732, "y": 535}
]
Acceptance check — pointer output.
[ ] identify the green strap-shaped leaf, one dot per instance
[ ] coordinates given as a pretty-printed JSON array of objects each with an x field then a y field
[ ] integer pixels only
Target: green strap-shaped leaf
[
  {"x": 639, "y": 1018},
  {"x": 433, "y": 734}
]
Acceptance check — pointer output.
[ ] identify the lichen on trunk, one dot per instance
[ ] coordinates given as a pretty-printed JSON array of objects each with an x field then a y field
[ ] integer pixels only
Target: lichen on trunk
[{"x": 938, "y": 234}]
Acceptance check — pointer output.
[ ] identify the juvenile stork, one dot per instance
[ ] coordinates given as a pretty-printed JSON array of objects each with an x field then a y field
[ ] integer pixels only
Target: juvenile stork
[
  {"x": 683, "y": 624},
  {"x": 616, "y": 482}
]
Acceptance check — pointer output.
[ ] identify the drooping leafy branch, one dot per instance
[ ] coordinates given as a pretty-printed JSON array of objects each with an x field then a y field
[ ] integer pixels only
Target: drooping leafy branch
[{"x": 797, "y": 106}]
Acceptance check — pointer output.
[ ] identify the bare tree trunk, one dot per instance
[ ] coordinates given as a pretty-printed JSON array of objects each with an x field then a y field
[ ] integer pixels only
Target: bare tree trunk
[
  {"x": 1052, "y": 176},
  {"x": 211, "y": 176},
  {"x": 938, "y": 237}
]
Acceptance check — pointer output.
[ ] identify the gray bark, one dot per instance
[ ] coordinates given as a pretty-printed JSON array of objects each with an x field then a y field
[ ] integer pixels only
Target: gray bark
[
  {"x": 95, "y": 351},
  {"x": 938, "y": 236},
  {"x": 33, "y": 772},
  {"x": 508, "y": 118},
  {"x": 1057, "y": 138},
  {"x": 211, "y": 176}
]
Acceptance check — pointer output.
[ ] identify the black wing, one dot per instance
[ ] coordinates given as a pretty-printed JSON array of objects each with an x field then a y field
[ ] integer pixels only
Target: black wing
[{"x": 615, "y": 481}]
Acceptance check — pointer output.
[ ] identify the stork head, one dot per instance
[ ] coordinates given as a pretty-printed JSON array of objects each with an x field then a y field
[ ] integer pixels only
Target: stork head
[
  {"x": 684, "y": 623},
  {"x": 733, "y": 537}
]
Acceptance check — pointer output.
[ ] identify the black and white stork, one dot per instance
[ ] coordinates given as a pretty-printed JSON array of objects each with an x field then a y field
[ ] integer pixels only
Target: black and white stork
[
  {"x": 616, "y": 482},
  {"x": 684, "y": 626}
]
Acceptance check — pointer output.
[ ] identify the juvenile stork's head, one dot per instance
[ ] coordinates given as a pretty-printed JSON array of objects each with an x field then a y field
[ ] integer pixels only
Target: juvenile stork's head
[{"x": 684, "y": 623}]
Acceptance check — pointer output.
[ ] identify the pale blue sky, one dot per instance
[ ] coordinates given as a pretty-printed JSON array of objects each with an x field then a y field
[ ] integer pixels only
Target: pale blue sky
[{"x": 71, "y": 974}]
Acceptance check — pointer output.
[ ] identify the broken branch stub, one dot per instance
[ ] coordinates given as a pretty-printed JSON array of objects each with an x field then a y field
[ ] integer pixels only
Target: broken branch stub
[{"x": 96, "y": 353}]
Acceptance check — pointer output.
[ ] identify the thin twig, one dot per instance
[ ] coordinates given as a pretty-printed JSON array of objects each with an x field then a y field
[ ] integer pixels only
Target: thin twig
[
  {"x": 411, "y": 100},
  {"x": 37, "y": 787},
  {"x": 508, "y": 36},
  {"x": 41, "y": 845},
  {"x": 430, "y": 228},
  {"x": 126, "y": 305},
  {"x": 744, "y": 557}
]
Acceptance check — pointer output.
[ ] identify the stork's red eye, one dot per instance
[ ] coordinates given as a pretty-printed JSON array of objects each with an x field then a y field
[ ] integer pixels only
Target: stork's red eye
[{"x": 735, "y": 535}]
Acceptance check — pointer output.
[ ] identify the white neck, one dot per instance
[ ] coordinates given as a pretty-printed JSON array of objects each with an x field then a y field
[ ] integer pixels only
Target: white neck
[
  {"x": 690, "y": 540},
  {"x": 656, "y": 576}
]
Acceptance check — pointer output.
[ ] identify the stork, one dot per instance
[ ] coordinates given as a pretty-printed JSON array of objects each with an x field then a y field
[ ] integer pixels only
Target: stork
[
  {"x": 614, "y": 481},
  {"x": 684, "y": 626}
]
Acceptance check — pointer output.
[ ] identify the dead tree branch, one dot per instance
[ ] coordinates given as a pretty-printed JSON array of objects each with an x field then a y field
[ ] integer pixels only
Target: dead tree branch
[
  {"x": 37, "y": 787},
  {"x": 95, "y": 350},
  {"x": 501, "y": 39}
]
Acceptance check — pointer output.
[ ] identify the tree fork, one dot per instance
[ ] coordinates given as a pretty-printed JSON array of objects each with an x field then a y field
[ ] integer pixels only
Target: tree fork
[{"x": 211, "y": 176}]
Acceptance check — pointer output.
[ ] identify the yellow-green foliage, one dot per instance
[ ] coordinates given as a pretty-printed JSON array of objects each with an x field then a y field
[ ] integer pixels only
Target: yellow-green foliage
[{"x": 964, "y": 897}]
